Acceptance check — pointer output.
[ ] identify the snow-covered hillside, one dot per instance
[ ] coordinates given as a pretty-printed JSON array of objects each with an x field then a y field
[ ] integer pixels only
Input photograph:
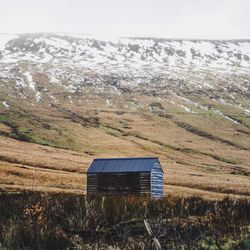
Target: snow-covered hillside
[
  {"x": 50, "y": 68},
  {"x": 125, "y": 53}
]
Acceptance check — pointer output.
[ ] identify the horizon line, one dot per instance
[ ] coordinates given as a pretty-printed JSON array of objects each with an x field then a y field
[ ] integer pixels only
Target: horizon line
[{"x": 122, "y": 37}]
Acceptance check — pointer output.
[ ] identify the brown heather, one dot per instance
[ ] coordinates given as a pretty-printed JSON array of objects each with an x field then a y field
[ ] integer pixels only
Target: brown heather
[{"x": 61, "y": 221}]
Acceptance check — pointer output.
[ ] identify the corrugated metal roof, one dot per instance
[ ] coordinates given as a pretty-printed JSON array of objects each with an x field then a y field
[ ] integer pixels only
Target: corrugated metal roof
[{"x": 122, "y": 165}]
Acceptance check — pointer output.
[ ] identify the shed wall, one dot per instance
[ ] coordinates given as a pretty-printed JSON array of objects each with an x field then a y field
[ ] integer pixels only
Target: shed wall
[
  {"x": 157, "y": 184},
  {"x": 119, "y": 183}
]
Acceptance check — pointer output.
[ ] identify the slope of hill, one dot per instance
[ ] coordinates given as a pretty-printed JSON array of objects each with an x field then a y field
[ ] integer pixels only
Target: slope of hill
[{"x": 66, "y": 99}]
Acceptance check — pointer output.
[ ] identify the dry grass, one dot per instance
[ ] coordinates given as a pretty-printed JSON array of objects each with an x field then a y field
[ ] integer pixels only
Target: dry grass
[
  {"x": 60, "y": 221},
  {"x": 75, "y": 135}
]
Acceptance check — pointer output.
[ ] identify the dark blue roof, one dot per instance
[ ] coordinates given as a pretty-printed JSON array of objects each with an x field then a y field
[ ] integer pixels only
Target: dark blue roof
[{"x": 122, "y": 165}]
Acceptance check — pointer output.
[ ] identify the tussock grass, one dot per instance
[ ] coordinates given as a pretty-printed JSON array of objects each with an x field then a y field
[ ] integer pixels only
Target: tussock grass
[{"x": 61, "y": 221}]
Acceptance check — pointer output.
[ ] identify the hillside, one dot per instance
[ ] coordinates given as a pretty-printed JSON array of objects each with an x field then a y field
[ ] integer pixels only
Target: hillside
[{"x": 66, "y": 99}]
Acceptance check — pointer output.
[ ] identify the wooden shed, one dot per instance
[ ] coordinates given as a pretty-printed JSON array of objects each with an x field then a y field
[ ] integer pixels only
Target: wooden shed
[{"x": 125, "y": 176}]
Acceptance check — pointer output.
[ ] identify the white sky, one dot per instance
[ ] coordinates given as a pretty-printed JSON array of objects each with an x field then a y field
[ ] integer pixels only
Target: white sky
[{"x": 212, "y": 19}]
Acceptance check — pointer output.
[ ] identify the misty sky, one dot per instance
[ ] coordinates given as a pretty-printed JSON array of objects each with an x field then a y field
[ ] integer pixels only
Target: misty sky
[{"x": 212, "y": 19}]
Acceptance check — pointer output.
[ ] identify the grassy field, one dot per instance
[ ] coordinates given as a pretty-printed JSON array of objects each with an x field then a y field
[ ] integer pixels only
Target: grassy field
[{"x": 49, "y": 148}]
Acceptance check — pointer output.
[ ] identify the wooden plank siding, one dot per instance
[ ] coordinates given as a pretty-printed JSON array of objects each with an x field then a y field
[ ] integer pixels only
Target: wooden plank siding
[
  {"x": 125, "y": 176},
  {"x": 157, "y": 184},
  {"x": 137, "y": 183}
]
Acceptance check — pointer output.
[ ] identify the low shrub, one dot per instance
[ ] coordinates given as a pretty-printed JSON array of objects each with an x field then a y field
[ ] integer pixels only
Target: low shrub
[{"x": 68, "y": 221}]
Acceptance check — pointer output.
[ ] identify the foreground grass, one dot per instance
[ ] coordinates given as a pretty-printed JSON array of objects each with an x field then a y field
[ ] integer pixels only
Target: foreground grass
[{"x": 47, "y": 221}]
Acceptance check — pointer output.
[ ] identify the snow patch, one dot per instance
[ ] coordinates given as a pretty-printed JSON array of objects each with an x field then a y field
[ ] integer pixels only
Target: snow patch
[
  {"x": 187, "y": 109},
  {"x": 6, "y": 104},
  {"x": 32, "y": 85},
  {"x": 29, "y": 78},
  {"x": 225, "y": 116}
]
